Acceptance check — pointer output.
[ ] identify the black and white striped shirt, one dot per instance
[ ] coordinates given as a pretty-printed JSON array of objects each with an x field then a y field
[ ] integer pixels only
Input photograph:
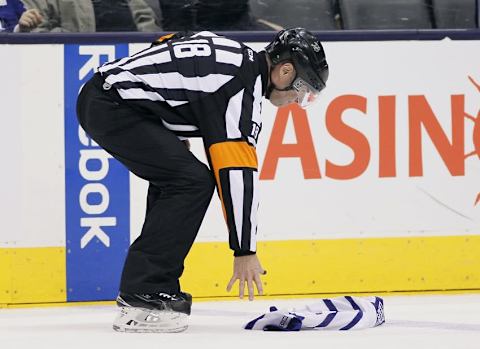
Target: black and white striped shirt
[{"x": 206, "y": 86}]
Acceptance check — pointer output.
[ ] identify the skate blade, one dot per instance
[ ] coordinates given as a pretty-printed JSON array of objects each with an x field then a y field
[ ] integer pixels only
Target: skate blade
[{"x": 139, "y": 320}]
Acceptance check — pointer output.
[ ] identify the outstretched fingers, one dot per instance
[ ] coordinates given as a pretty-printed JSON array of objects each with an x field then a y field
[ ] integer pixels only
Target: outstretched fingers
[
  {"x": 231, "y": 283},
  {"x": 258, "y": 283},
  {"x": 251, "y": 291}
]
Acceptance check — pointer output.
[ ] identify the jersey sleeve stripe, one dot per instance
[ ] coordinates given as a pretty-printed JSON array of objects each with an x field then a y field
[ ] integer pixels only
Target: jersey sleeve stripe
[
  {"x": 254, "y": 112},
  {"x": 246, "y": 241},
  {"x": 188, "y": 42},
  {"x": 138, "y": 93},
  {"x": 233, "y": 154},
  {"x": 226, "y": 155},
  {"x": 237, "y": 195},
  {"x": 232, "y": 115},
  {"x": 114, "y": 64},
  {"x": 257, "y": 101},
  {"x": 205, "y": 34},
  {"x": 246, "y": 116},
  {"x": 183, "y": 128},
  {"x": 210, "y": 83},
  {"x": 160, "y": 58},
  {"x": 221, "y": 68},
  {"x": 223, "y": 56},
  {"x": 254, "y": 211},
  {"x": 174, "y": 97},
  {"x": 225, "y": 42},
  {"x": 126, "y": 60},
  {"x": 173, "y": 103},
  {"x": 146, "y": 53},
  {"x": 227, "y": 206}
]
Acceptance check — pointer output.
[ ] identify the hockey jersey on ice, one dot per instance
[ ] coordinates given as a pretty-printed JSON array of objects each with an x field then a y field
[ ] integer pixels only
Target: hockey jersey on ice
[{"x": 341, "y": 313}]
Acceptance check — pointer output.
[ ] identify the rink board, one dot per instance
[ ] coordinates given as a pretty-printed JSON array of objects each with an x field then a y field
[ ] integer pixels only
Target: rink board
[
  {"x": 302, "y": 267},
  {"x": 373, "y": 189}
]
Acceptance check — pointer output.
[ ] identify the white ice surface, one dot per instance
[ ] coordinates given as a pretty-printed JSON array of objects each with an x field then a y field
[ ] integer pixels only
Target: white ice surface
[{"x": 442, "y": 321}]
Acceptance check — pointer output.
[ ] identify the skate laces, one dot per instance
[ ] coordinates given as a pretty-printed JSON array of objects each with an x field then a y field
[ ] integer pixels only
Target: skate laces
[
  {"x": 165, "y": 296},
  {"x": 161, "y": 296}
]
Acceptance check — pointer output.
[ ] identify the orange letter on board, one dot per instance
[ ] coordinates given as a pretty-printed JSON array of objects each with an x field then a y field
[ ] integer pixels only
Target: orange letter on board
[
  {"x": 452, "y": 154},
  {"x": 386, "y": 137},
  {"x": 348, "y": 136},
  {"x": 303, "y": 149}
]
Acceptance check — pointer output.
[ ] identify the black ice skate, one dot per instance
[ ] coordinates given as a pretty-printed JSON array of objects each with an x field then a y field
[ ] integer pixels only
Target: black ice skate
[{"x": 157, "y": 312}]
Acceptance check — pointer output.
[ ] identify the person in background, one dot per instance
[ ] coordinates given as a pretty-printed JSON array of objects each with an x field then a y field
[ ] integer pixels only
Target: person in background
[
  {"x": 14, "y": 17},
  {"x": 214, "y": 15},
  {"x": 94, "y": 15}
]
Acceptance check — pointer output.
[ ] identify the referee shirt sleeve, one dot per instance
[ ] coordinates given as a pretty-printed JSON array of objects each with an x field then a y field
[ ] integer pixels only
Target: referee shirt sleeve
[{"x": 235, "y": 165}]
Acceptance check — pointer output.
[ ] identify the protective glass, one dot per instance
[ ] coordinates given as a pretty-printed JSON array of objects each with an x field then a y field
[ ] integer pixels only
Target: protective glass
[{"x": 307, "y": 95}]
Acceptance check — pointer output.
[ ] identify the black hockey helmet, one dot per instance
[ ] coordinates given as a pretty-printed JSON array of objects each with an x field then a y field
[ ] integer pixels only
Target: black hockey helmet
[{"x": 306, "y": 53}]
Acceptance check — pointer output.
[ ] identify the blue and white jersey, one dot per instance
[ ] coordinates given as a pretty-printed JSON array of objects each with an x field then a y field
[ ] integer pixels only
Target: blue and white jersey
[{"x": 341, "y": 313}]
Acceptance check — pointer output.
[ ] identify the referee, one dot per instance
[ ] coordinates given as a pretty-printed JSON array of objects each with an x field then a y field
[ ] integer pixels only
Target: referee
[{"x": 142, "y": 109}]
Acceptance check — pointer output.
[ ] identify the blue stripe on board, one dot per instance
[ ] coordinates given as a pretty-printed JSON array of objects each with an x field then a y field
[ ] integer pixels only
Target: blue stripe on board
[
  {"x": 97, "y": 194},
  {"x": 357, "y": 318}
]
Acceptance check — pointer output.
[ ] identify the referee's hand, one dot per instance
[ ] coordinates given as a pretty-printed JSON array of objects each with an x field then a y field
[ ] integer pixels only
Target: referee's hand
[{"x": 247, "y": 269}]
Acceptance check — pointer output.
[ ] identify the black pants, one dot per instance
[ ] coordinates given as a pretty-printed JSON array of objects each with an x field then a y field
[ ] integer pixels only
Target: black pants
[{"x": 179, "y": 193}]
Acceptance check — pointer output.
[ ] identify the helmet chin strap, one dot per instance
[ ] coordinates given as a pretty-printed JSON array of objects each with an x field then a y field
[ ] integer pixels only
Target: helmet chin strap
[{"x": 270, "y": 88}]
